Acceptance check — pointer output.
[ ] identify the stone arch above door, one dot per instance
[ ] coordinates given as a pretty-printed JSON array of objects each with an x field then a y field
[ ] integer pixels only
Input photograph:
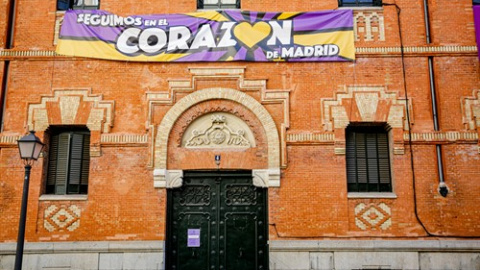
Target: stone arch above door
[{"x": 267, "y": 177}]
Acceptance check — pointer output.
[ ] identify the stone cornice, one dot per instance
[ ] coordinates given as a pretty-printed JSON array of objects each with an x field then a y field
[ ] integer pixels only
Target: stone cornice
[{"x": 360, "y": 51}]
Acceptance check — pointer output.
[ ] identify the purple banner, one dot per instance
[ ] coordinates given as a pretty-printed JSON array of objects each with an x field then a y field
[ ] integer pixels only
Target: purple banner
[
  {"x": 476, "y": 17},
  {"x": 229, "y": 35}
]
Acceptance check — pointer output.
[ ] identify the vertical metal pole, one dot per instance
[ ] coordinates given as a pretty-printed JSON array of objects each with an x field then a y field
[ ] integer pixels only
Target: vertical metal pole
[
  {"x": 9, "y": 45},
  {"x": 427, "y": 21},
  {"x": 443, "y": 189},
  {"x": 23, "y": 218},
  {"x": 11, "y": 24}
]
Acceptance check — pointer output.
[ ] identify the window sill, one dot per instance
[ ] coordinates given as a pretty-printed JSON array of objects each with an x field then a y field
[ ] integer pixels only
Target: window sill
[
  {"x": 52, "y": 197},
  {"x": 371, "y": 195}
]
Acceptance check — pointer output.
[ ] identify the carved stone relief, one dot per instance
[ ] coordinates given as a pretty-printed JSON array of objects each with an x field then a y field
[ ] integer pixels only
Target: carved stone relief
[{"x": 218, "y": 130}]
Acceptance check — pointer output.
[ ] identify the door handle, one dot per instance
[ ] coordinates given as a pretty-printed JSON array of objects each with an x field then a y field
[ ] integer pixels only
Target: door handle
[{"x": 240, "y": 252}]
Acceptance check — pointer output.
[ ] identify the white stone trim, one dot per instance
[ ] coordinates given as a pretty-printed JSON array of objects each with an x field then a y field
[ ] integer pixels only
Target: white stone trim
[
  {"x": 260, "y": 178},
  {"x": 167, "y": 178},
  {"x": 174, "y": 178},
  {"x": 266, "y": 178},
  {"x": 371, "y": 195},
  {"x": 52, "y": 197},
  {"x": 159, "y": 179}
]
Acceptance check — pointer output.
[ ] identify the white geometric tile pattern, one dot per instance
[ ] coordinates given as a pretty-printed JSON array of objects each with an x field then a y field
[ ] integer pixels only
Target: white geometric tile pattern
[
  {"x": 373, "y": 216},
  {"x": 61, "y": 218}
]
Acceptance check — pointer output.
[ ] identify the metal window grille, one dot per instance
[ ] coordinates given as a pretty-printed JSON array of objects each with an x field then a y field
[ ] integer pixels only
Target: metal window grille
[
  {"x": 368, "y": 159},
  {"x": 359, "y": 3},
  {"x": 218, "y": 4},
  {"x": 68, "y": 161},
  {"x": 77, "y": 4}
]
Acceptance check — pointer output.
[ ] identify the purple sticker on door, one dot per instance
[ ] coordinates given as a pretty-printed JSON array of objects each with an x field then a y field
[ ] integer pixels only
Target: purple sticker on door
[{"x": 193, "y": 239}]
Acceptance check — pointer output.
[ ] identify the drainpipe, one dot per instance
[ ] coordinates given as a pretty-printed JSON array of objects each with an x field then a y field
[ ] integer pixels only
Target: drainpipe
[
  {"x": 442, "y": 187},
  {"x": 6, "y": 66}
]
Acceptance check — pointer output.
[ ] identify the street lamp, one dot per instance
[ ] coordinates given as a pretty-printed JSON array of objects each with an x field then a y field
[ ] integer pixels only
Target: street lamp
[{"x": 30, "y": 147}]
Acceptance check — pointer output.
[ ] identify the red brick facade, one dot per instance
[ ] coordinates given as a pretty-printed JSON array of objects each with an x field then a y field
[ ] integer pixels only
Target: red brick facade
[{"x": 312, "y": 201}]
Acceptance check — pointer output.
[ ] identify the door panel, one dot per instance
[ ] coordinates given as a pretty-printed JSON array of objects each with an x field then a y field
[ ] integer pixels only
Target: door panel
[
  {"x": 238, "y": 247},
  {"x": 231, "y": 216}
]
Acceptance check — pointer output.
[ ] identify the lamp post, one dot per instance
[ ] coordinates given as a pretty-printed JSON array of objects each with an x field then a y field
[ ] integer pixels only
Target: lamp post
[{"x": 30, "y": 147}]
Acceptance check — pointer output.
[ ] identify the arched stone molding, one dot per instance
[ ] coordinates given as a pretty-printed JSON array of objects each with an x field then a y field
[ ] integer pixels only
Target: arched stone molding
[
  {"x": 162, "y": 175},
  {"x": 366, "y": 104},
  {"x": 73, "y": 107},
  {"x": 189, "y": 84}
]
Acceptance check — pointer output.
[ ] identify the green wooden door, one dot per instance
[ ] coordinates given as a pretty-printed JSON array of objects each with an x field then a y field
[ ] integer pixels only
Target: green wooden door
[{"x": 217, "y": 221}]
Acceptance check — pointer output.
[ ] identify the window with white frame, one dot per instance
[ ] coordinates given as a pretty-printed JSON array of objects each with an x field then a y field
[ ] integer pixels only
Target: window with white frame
[{"x": 368, "y": 158}]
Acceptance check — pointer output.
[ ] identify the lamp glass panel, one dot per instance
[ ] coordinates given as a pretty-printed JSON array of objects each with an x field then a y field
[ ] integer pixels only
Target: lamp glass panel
[
  {"x": 37, "y": 150},
  {"x": 26, "y": 149}
]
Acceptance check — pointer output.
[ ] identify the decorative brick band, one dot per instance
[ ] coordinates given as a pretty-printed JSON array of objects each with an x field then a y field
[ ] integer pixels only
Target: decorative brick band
[
  {"x": 310, "y": 137},
  {"x": 358, "y": 50},
  {"x": 417, "y": 49},
  {"x": 9, "y": 139},
  {"x": 11, "y": 53},
  {"x": 124, "y": 139},
  {"x": 449, "y": 136}
]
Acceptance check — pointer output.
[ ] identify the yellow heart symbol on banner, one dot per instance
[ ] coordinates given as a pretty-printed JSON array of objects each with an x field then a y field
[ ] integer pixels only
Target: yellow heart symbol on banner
[{"x": 251, "y": 34}]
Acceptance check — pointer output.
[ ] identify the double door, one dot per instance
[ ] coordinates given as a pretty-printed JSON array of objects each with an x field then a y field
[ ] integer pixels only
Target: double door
[{"x": 217, "y": 221}]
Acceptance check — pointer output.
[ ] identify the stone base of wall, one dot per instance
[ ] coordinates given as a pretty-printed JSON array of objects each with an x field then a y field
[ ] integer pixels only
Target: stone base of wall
[
  {"x": 284, "y": 255},
  {"x": 375, "y": 254},
  {"x": 131, "y": 255}
]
